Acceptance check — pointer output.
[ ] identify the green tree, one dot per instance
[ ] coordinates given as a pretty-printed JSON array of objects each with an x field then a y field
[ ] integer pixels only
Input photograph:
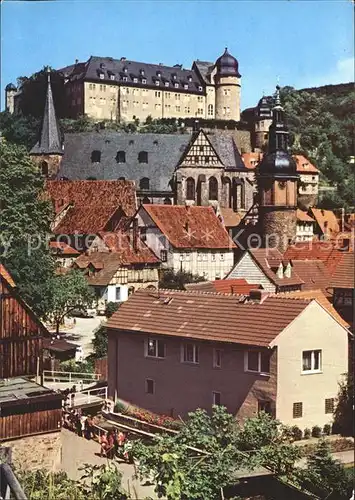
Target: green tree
[
  {"x": 67, "y": 292},
  {"x": 100, "y": 342},
  {"x": 104, "y": 482},
  {"x": 19, "y": 129},
  {"x": 344, "y": 410},
  {"x": 25, "y": 217},
  {"x": 170, "y": 279},
  {"x": 111, "y": 308}
]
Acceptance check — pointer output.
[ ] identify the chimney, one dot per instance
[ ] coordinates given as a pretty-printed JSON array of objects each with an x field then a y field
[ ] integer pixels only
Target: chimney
[
  {"x": 135, "y": 234},
  {"x": 76, "y": 61},
  {"x": 280, "y": 271},
  {"x": 258, "y": 295}
]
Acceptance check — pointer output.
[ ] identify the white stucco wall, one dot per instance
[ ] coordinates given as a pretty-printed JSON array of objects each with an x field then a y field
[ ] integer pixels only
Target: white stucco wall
[
  {"x": 313, "y": 329},
  {"x": 207, "y": 263},
  {"x": 246, "y": 268}
]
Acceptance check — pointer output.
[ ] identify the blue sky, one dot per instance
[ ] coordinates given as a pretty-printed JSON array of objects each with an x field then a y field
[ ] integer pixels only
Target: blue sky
[{"x": 301, "y": 42}]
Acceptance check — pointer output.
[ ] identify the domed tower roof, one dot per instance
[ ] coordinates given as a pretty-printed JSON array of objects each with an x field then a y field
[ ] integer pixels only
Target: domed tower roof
[
  {"x": 10, "y": 86},
  {"x": 227, "y": 65},
  {"x": 277, "y": 161}
]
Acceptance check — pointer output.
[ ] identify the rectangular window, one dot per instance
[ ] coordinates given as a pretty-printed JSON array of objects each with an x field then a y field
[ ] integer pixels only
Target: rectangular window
[
  {"x": 217, "y": 358},
  {"x": 257, "y": 361},
  {"x": 118, "y": 294},
  {"x": 163, "y": 255},
  {"x": 190, "y": 353},
  {"x": 155, "y": 348},
  {"x": 149, "y": 386},
  {"x": 222, "y": 256},
  {"x": 297, "y": 410},
  {"x": 199, "y": 256},
  {"x": 177, "y": 108},
  {"x": 312, "y": 361},
  {"x": 264, "y": 406},
  {"x": 329, "y": 405},
  {"x": 213, "y": 257},
  {"x": 157, "y": 93},
  {"x": 216, "y": 398}
]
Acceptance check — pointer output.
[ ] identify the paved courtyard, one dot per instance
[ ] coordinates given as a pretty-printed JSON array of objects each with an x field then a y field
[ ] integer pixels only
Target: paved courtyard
[{"x": 77, "y": 451}]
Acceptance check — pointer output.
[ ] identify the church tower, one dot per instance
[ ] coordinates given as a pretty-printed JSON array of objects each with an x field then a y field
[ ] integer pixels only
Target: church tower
[
  {"x": 227, "y": 83},
  {"x": 277, "y": 178},
  {"x": 48, "y": 151}
]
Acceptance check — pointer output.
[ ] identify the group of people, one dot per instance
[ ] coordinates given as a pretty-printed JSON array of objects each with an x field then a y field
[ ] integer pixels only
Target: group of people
[
  {"x": 115, "y": 444},
  {"x": 76, "y": 421}
]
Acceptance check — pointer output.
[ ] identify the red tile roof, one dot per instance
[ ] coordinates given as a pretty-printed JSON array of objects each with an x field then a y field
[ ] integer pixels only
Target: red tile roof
[
  {"x": 190, "y": 227},
  {"x": 206, "y": 316},
  {"x": 345, "y": 272},
  {"x": 233, "y": 286},
  {"x": 327, "y": 221},
  {"x": 4, "y": 273},
  {"x": 327, "y": 251},
  {"x": 121, "y": 243},
  {"x": 304, "y": 166},
  {"x": 303, "y": 216},
  {"x": 319, "y": 296},
  {"x": 88, "y": 206},
  {"x": 313, "y": 273},
  {"x": 269, "y": 259},
  {"x": 62, "y": 248}
]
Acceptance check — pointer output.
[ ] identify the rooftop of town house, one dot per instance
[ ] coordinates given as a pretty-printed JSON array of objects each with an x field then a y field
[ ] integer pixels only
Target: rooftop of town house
[
  {"x": 344, "y": 275},
  {"x": 17, "y": 389},
  {"x": 207, "y": 316},
  {"x": 320, "y": 297},
  {"x": 304, "y": 166},
  {"x": 232, "y": 286},
  {"x": 326, "y": 251},
  {"x": 4, "y": 273},
  {"x": 327, "y": 221},
  {"x": 58, "y": 345},
  {"x": 192, "y": 227},
  {"x": 88, "y": 206},
  {"x": 269, "y": 261},
  {"x": 62, "y": 248},
  {"x": 314, "y": 274},
  {"x": 303, "y": 216}
]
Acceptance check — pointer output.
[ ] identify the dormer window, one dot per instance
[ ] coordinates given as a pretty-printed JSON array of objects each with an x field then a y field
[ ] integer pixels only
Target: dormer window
[
  {"x": 157, "y": 82},
  {"x": 158, "y": 74},
  {"x": 176, "y": 85},
  {"x": 125, "y": 78},
  {"x": 141, "y": 72},
  {"x": 166, "y": 84},
  {"x": 174, "y": 76},
  {"x": 189, "y": 78},
  {"x": 186, "y": 86},
  {"x": 200, "y": 88},
  {"x": 112, "y": 77},
  {"x": 101, "y": 76},
  {"x": 135, "y": 80},
  {"x": 125, "y": 69},
  {"x": 144, "y": 80}
]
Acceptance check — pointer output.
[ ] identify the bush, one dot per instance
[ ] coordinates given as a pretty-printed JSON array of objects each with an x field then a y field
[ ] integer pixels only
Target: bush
[
  {"x": 316, "y": 431},
  {"x": 327, "y": 429},
  {"x": 120, "y": 407},
  {"x": 307, "y": 433},
  {"x": 296, "y": 433},
  {"x": 111, "y": 308}
]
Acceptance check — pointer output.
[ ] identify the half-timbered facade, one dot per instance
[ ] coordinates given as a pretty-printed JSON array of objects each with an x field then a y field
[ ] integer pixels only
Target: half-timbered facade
[{"x": 211, "y": 172}]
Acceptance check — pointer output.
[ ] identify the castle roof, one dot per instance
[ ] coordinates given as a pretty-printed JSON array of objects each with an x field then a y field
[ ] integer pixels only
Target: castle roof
[{"x": 227, "y": 65}]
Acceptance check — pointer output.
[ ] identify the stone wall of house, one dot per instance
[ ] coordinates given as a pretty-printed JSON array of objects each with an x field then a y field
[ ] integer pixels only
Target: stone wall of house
[
  {"x": 48, "y": 164},
  {"x": 36, "y": 452}
]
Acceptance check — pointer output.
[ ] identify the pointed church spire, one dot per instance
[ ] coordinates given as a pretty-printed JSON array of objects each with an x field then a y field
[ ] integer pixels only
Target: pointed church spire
[
  {"x": 278, "y": 132},
  {"x": 49, "y": 140}
]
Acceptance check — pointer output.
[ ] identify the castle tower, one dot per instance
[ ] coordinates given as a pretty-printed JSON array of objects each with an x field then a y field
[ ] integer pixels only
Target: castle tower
[
  {"x": 227, "y": 82},
  {"x": 263, "y": 120},
  {"x": 48, "y": 151},
  {"x": 277, "y": 185},
  {"x": 10, "y": 91}
]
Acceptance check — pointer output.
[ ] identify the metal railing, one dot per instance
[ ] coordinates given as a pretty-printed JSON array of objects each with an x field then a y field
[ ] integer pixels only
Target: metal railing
[
  {"x": 9, "y": 484},
  {"x": 70, "y": 377},
  {"x": 87, "y": 396}
]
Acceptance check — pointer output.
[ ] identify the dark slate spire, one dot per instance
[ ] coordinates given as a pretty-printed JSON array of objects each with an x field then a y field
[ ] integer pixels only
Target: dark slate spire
[
  {"x": 278, "y": 161},
  {"x": 49, "y": 141}
]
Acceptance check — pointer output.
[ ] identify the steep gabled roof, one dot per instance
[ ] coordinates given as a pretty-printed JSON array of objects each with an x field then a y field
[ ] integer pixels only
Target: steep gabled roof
[
  {"x": 268, "y": 260},
  {"x": 90, "y": 204},
  {"x": 190, "y": 227},
  {"x": 121, "y": 243},
  {"x": 327, "y": 221},
  {"x": 313, "y": 273},
  {"x": 344, "y": 275},
  {"x": 326, "y": 251},
  {"x": 206, "y": 316},
  {"x": 62, "y": 248}
]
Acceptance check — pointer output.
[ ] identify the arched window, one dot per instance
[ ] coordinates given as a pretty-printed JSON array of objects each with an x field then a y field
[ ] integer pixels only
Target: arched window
[
  {"x": 144, "y": 183},
  {"x": 167, "y": 201},
  {"x": 146, "y": 200},
  {"x": 44, "y": 168},
  {"x": 213, "y": 189},
  {"x": 190, "y": 188},
  {"x": 121, "y": 157},
  {"x": 121, "y": 179},
  {"x": 95, "y": 156},
  {"x": 143, "y": 157},
  {"x": 210, "y": 110},
  {"x": 228, "y": 192}
]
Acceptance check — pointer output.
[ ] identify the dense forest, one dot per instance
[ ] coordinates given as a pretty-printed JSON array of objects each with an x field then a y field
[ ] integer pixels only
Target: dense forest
[{"x": 321, "y": 121}]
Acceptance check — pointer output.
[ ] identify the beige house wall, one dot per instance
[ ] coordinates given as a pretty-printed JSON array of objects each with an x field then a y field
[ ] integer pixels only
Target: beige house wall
[{"x": 313, "y": 329}]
